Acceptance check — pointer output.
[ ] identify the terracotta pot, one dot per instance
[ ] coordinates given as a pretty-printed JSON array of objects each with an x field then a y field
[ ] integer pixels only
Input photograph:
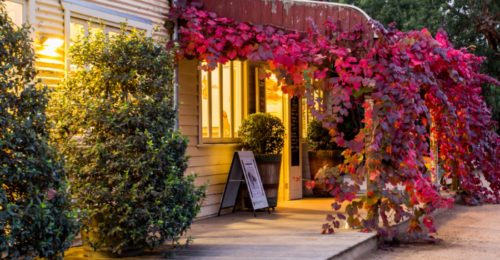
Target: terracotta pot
[{"x": 318, "y": 159}]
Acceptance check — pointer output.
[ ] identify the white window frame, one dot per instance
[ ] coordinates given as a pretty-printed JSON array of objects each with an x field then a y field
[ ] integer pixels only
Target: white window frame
[
  {"x": 244, "y": 103},
  {"x": 95, "y": 13},
  {"x": 29, "y": 8},
  {"x": 25, "y": 9}
]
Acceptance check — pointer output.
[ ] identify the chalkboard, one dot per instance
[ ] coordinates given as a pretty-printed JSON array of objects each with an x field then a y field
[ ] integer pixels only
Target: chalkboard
[
  {"x": 295, "y": 131},
  {"x": 244, "y": 167},
  {"x": 261, "y": 90}
]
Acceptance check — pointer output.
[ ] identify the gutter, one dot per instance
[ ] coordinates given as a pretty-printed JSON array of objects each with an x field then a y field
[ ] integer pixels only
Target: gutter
[
  {"x": 353, "y": 7},
  {"x": 175, "y": 37},
  {"x": 335, "y": 4}
]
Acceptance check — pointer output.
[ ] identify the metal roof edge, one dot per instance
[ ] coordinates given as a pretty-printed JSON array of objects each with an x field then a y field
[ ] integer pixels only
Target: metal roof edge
[{"x": 334, "y": 4}]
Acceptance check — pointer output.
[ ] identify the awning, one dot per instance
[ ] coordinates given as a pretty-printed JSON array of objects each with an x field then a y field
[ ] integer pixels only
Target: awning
[{"x": 288, "y": 14}]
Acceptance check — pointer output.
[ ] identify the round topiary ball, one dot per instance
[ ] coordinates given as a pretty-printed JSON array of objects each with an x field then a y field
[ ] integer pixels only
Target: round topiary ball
[{"x": 262, "y": 133}]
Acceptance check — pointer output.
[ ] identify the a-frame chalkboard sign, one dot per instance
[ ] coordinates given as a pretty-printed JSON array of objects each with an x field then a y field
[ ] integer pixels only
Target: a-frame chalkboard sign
[{"x": 244, "y": 167}]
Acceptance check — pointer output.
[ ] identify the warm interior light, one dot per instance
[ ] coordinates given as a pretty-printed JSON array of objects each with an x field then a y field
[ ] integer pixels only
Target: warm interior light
[
  {"x": 53, "y": 43},
  {"x": 50, "y": 46}
]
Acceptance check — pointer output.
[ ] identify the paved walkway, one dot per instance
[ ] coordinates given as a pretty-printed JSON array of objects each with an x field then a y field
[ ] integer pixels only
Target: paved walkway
[
  {"x": 468, "y": 233},
  {"x": 293, "y": 231}
]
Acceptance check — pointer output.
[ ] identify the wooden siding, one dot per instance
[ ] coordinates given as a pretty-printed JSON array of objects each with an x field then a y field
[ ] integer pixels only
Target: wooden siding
[
  {"x": 47, "y": 18},
  {"x": 210, "y": 162},
  {"x": 154, "y": 10},
  {"x": 49, "y": 23}
]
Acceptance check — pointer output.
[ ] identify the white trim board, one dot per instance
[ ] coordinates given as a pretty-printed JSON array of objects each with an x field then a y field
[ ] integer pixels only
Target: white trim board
[{"x": 79, "y": 8}]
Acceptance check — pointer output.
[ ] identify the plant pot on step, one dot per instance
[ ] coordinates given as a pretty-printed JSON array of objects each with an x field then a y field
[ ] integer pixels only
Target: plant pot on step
[
  {"x": 270, "y": 169},
  {"x": 318, "y": 160},
  {"x": 263, "y": 134},
  {"x": 326, "y": 180}
]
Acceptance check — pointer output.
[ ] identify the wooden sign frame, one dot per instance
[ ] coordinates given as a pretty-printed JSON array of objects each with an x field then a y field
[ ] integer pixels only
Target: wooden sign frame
[{"x": 244, "y": 167}]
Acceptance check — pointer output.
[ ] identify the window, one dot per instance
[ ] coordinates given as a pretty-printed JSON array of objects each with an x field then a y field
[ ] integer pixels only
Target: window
[
  {"x": 222, "y": 102},
  {"x": 307, "y": 116},
  {"x": 80, "y": 27},
  {"x": 15, "y": 10},
  {"x": 80, "y": 13}
]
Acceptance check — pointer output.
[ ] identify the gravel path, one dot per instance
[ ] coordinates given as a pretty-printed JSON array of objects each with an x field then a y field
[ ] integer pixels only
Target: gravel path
[{"x": 467, "y": 233}]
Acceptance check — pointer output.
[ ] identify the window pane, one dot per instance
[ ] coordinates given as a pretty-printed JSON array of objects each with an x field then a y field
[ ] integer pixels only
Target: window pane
[
  {"x": 76, "y": 31},
  {"x": 15, "y": 12},
  {"x": 204, "y": 103},
  {"x": 238, "y": 99},
  {"x": 95, "y": 30},
  {"x": 112, "y": 34},
  {"x": 226, "y": 100},
  {"x": 215, "y": 103},
  {"x": 305, "y": 121},
  {"x": 274, "y": 95}
]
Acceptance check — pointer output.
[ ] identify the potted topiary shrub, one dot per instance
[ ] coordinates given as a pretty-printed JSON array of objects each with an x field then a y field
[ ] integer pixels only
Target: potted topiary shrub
[
  {"x": 263, "y": 134},
  {"x": 325, "y": 153},
  {"x": 322, "y": 151},
  {"x": 116, "y": 119},
  {"x": 36, "y": 220}
]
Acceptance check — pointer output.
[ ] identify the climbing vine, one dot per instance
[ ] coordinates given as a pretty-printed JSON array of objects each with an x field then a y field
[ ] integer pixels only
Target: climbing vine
[{"x": 410, "y": 84}]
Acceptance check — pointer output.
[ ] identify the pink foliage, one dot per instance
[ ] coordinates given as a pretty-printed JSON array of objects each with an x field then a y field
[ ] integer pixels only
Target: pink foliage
[{"x": 403, "y": 80}]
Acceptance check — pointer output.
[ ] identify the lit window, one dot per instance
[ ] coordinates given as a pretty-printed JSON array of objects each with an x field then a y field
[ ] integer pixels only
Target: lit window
[
  {"x": 221, "y": 102},
  {"x": 76, "y": 31},
  {"x": 15, "y": 10},
  {"x": 274, "y": 95},
  {"x": 79, "y": 28}
]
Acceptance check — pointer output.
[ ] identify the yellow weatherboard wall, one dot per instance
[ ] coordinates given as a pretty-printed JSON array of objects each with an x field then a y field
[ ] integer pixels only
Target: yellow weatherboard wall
[{"x": 50, "y": 21}]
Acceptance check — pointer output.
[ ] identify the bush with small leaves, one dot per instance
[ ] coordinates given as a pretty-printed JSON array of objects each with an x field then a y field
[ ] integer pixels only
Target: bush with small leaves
[
  {"x": 318, "y": 137},
  {"x": 262, "y": 133},
  {"x": 116, "y": 121},
  {"x": 35, "y": 215}
]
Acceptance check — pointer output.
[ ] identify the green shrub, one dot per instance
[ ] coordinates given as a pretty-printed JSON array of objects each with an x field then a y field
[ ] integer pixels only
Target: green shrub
[
  {"x": 262, "y": 133},
  {"x": 318, "y": 137},
  {"x": 35, "y": 220},
  {"x": 116, "y": 119}
]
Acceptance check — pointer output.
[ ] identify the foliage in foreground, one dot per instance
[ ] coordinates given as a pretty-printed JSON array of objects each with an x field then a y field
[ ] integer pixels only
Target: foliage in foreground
[
  {"x": 469, "y": 23},
  {"x": 35, "y": 220},
  {"x": 410, "y": 85},
  {"x": 116, "y": 120}
]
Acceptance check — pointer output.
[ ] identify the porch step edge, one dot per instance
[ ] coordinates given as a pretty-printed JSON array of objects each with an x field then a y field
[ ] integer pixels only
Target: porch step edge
[{"x": 356, "y": 251}]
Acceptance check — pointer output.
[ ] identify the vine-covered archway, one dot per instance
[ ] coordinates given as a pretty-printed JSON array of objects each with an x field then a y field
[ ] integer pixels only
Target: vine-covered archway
[{"x": 410, "y": 84}]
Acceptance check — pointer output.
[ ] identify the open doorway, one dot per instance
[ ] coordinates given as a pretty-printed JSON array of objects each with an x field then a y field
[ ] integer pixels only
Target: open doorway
[{"x": 271, "y": 99}]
